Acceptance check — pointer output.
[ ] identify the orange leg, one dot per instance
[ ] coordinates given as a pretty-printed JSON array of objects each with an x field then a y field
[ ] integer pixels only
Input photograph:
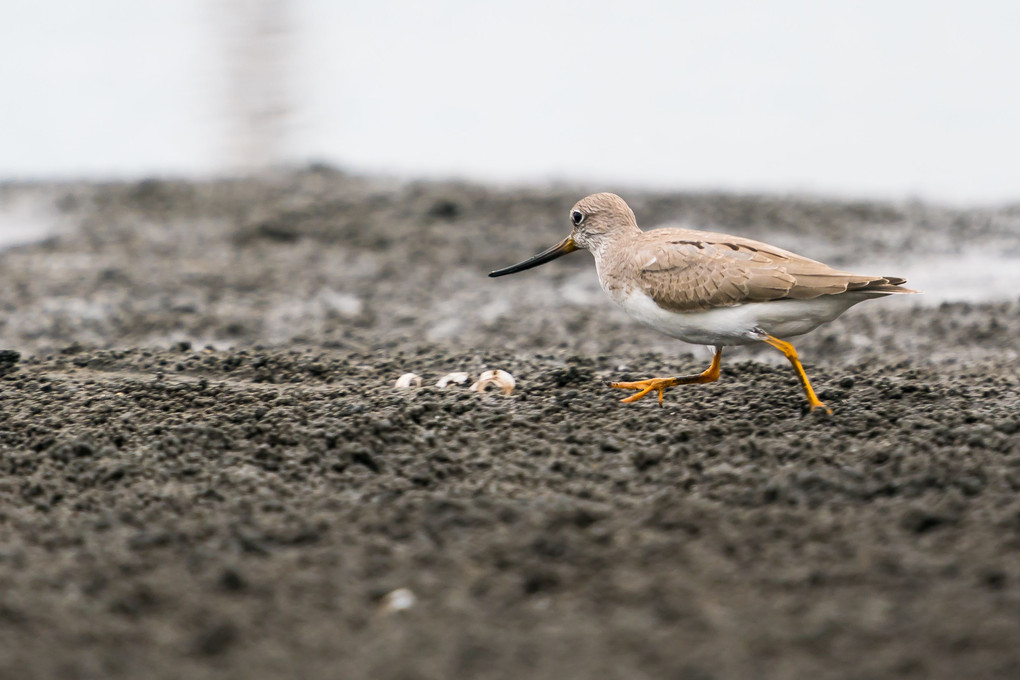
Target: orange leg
[
  {"x": 791, "y": 354},
  {"x": 644, "y": 387}
]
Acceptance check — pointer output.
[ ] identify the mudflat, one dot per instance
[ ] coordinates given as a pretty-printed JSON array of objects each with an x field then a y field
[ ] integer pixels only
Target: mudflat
[{"x": 206, "y": 471}]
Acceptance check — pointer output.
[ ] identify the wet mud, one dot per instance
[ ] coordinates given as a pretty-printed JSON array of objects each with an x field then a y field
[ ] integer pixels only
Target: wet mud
[{"x": 205, "y": 469}]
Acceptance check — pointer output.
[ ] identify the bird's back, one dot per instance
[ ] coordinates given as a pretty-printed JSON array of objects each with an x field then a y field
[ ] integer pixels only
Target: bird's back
[{"x": 689, "y": 270}]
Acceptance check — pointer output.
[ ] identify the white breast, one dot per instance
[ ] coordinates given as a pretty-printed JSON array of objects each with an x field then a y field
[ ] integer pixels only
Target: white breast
[{"x": 736, "y": 325}]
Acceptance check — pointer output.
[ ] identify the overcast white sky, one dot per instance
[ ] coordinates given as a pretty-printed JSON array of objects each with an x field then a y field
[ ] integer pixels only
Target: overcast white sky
[{"x": 878, "y": 98}]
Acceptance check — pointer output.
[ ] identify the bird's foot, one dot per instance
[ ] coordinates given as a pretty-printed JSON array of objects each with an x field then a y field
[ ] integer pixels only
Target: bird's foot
[
  {"x": 645, "y": 387},
  {"x": 816, "y": 404}
]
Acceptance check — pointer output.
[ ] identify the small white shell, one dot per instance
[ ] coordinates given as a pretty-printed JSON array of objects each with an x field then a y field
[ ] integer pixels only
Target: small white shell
[
  {"x": 501, "y": 379},
  {"x": 408, "y": 380},
  {"x": 458, "y": 378},
  {"x": 398, "y": 600}
]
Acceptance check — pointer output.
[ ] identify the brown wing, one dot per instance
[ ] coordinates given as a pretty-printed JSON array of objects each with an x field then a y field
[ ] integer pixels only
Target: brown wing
[{"x": 685, "y": 270}]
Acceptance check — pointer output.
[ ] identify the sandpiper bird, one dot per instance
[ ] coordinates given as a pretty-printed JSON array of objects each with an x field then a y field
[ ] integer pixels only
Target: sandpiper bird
[{"x": 707, "y": 288}]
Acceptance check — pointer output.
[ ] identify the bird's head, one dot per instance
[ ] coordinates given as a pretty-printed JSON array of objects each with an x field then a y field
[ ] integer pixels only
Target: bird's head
[{"x": 596, "y": 219}]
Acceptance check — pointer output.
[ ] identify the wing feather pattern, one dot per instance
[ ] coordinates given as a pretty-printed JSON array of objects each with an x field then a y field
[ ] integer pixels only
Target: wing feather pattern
[{"x": 686, "y": 270}]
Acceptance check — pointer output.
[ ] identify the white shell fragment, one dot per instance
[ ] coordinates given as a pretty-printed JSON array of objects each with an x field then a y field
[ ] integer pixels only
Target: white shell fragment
[
  {"x": 457, "y": 378},
  {"x": 500, "y": 379},
  {"x": 398, "y": 600},
  {"x": 407, "y": 381}
]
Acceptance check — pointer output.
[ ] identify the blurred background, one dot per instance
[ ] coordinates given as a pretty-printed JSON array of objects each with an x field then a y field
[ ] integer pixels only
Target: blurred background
[
  {"x": 235, "y": 172},
  {"x": 876, "y": 99}
]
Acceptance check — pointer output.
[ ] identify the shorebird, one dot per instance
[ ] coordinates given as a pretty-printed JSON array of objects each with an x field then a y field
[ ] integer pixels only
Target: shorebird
[{"x": 708, "y": 288}]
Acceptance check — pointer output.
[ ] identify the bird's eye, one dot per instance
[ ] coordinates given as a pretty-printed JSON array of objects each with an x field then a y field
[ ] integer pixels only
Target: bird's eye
[{"x": 576, "y": 217}]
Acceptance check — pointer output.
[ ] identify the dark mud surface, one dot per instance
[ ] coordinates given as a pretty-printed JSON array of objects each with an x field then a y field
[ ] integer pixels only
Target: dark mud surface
[{"x": 205, "y": 470}]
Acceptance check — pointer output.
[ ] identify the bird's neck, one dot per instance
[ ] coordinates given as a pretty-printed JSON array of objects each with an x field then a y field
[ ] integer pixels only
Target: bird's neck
[
  {"x": 606, "y": 245},
  {"x": 612, "y": 257}
]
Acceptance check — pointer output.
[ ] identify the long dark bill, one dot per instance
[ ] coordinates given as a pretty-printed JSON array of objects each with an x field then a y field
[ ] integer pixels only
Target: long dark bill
[{"x": 565, "y": 246}]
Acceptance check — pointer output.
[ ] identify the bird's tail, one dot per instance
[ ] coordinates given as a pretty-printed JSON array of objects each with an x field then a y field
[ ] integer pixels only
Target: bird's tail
[{"x": 886, "y": 285}]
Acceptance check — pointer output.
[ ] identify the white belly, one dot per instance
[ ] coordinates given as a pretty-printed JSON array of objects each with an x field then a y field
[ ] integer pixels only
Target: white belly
[{"x": 736, "y": 325}]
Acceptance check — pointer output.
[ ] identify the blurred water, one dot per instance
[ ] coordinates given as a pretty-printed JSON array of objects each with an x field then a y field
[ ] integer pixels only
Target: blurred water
[
  {"x": 25, "y": 220},
  {"x": 968, "y": 276},
  {"x": 868, "y": 99}
]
